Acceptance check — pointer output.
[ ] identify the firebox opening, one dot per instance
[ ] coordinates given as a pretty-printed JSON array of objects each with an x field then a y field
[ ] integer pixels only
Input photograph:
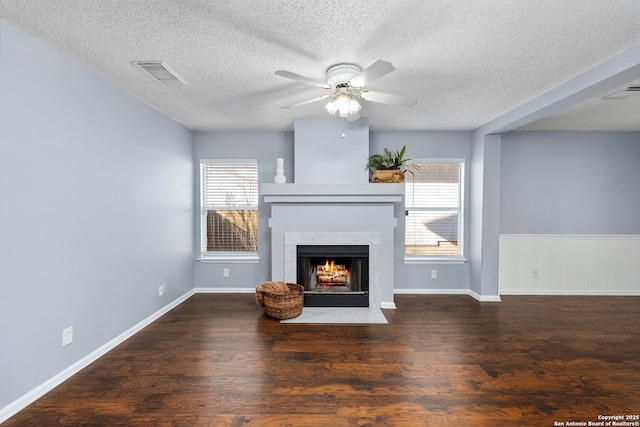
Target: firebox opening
[{"x": 334, "y": 275}]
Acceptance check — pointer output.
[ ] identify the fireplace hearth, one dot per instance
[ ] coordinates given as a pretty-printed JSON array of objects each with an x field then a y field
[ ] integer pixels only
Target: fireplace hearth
[{"x": 333, "y": 275}]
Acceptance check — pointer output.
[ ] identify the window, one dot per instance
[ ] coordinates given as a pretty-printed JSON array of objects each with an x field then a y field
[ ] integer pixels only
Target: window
[
  {"x": 433, "y": 204},
  {"x": 229, "y": 203}
]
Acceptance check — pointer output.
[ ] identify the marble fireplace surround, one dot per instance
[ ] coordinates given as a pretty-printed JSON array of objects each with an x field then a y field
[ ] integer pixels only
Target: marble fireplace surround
[
  {"x": 372, "y": 239},
  {"x": 329, "y": 214}
]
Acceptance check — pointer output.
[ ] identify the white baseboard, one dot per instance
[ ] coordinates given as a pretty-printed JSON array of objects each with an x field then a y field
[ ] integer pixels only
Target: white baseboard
[
  {"x": 431, "y": 291},
  {"x": 224, "y": 290},
  {"x": 484, "y": 298},
  {"x": 475, "y": 295},
  {"x": 385, "y": 305},
  {"x": 573, "y": 292},
  {"x": 33, "y": 395}
]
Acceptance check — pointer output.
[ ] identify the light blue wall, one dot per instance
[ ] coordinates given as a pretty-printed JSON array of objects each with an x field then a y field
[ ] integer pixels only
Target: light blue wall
[
  {"x": 96, "y": 211},
  {"x": 322, "y": 155},
  {"x": 425, "y": 146},
  {"x": 484, "y": 215},
  {"x": 266, "y": 147},
  {"x": 570, "y": 183}
]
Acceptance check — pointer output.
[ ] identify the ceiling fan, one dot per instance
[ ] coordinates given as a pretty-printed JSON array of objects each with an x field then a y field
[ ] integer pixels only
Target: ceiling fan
[{"x": 346, "y": 83}]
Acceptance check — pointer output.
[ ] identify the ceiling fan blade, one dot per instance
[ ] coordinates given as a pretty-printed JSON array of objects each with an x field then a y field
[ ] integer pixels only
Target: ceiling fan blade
[
  {"x": 387, "y": 98},
  {"x": 372, "y": 72},
  {"x": 308, "y": 101},
  {"x": 303, "y": 79}
]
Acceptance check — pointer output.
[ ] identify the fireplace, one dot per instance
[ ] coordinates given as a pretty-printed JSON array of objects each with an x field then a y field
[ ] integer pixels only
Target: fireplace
[
  {"x": 330, "y": 203},
  {"x": 333, "y": 275},
  {"x": 305, "y": 214}
]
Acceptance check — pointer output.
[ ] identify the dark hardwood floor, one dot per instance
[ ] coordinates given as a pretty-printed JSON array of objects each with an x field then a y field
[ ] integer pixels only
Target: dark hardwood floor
[{"x": 215, "y": 360}]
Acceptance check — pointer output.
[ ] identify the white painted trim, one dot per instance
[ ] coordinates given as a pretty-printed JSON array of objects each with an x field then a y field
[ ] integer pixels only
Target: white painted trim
[
  {"x": 229, "y": 260},
  {"x": 387, "y": 305},
  {"x": 417, "y": 260},
  {"x": 224, "y": 290},
  {"x": 475, "y": 295},
  {"x": 570, "y": 236},
  {"x": 573, "y": 292},
  {"x": 33, "y": 395},
  {"x": 484, "y": 298},
  {"x": 431, "y": 291}
]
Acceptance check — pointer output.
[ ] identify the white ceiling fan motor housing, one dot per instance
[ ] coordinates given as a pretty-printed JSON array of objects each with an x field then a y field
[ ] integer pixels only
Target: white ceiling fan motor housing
[{"x": 341, "y": 73}]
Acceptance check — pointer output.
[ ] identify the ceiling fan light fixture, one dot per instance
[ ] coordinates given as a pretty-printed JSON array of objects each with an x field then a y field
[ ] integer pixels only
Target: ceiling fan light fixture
[
  {"x": 342, "y": 103},
  {"x": 352, "y": 108},
  {"x": 331, "y": 106}
]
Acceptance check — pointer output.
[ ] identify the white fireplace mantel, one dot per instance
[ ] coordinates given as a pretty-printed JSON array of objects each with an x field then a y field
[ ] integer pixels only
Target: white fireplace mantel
[{"x": 332, "y": 193}]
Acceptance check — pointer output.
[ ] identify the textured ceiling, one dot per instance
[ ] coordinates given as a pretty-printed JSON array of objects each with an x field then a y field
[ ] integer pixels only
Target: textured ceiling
[
  {"x": 467, "y": 61},
  {"x": 620, "y": 112}
]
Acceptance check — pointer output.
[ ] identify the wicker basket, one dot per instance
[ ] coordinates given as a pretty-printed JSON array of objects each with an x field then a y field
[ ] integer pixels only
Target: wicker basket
[{"x": 284, "y": 306}]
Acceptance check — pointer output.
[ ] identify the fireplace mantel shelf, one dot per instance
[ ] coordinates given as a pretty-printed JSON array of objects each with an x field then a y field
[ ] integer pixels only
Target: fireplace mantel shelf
[{"x": 332, "y": 193}]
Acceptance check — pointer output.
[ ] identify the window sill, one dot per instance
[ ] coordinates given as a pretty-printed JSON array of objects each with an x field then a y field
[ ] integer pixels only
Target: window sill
[
  {"x": 432, "y": 260},
  {"x": 229, "y": 259}
]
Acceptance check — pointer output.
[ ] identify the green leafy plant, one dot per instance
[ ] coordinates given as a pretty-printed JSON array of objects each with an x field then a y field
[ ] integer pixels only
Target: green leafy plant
[{"x": 391, "y": 160}]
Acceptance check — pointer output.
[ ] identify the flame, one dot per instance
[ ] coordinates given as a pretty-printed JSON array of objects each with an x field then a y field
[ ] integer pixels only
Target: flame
[
  {"x": 329, "y": 266},
  {"x": 332, "y": 274}
]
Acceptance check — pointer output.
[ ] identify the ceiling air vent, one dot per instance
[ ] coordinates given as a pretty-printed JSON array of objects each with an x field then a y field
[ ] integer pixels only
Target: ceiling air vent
[{"x": 161, "y": 72}]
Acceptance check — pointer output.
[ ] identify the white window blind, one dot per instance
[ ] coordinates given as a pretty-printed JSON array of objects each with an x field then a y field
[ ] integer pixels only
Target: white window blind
[
  {"x": 229, "y": 201},
  {"x": 433, "y": 204}
]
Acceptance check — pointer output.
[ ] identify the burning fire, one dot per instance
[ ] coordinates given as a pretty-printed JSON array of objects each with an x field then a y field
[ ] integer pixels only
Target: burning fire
[
  {"x": 329, "y": 266},
  {"x": 332, "y": 274}
]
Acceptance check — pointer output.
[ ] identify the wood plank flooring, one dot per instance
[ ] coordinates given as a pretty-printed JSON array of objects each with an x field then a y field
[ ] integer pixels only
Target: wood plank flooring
[{"x": 442, "y": 361}]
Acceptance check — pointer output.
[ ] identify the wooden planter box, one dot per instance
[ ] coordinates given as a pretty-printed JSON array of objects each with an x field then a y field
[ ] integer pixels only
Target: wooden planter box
[{"x": 387, "y": 176}]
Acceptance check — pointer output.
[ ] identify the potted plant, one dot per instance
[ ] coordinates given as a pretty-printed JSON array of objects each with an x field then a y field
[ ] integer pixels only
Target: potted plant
[{"x": 390, "y": 166}]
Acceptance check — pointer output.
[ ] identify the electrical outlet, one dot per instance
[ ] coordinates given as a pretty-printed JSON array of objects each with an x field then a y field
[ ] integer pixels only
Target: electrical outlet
[
  {"x": 162, "y": 289},
  {"x": 67, "y": 336},
  {"x": 535, "y": 273},
  {"x": 434, "y": 274},
  {"x": 225, "y": 272}
]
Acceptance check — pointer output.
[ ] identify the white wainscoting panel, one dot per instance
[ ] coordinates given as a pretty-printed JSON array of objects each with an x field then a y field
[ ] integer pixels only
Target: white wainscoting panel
[{"x": 541, "y": 264}]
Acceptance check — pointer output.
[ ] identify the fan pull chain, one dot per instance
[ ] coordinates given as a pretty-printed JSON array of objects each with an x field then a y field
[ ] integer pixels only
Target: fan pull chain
[{"x": 344, "y": 119}]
